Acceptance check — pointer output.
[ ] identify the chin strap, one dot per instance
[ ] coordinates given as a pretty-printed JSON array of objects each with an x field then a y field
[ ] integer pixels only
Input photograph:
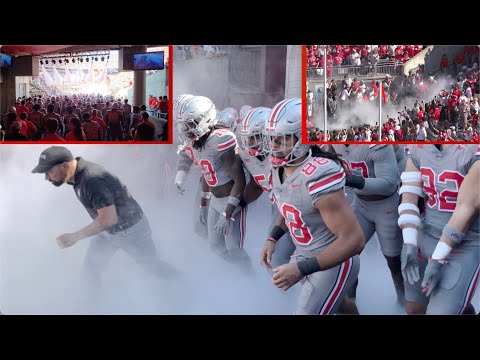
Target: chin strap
[{"x": 281, "y": 162}]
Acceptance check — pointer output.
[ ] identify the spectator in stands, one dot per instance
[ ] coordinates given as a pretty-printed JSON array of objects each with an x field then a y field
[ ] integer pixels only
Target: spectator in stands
[
  {"x": 52, "y": 127},
  {"x": 127, "y": 110},
  {"x": 163, "y": 106},
  {"x": 15, "y": 134},
  {"x": 31, "y": 128},
  {"x": 100, "y": 122},
  {"x": 22, "y": 108},
  {"x": 459, "y": 60},
  {"x": 144, "y": 132},
  {"x": 164, "y": 136},
  {"x": 454, "y": 117},
  {"x": 92, "y": 129},
  {"x": 145, "y": 119},
  {"x": 331, "y": 105},
  {"x": 51, "y": 114},
  {"x": 36, "y": 117},
  {"x": 114, "y": 121},
  {"x": 76, "y": 132},
  {"x": 444, "y": 64}
]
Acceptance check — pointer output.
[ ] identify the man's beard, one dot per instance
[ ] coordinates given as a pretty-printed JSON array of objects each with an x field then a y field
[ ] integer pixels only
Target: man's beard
[{"x": 57, "y": 183}]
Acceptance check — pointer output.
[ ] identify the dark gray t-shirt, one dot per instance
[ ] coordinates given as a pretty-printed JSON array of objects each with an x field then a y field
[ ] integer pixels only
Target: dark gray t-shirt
[{"x": 96, "y": 188}]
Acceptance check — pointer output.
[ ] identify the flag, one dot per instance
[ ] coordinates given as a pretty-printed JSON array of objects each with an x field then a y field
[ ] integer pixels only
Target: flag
[
  {"x": 67, "y": 77},
  {"x": 56, "y": 75},
  {"x": 80, "y": 75},
  {"x": 47, "y": 77},
  {"x": 384, "y": 97}
]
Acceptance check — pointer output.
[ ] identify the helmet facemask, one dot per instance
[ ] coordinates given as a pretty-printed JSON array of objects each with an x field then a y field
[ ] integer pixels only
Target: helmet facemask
[
  {"x": 283, "y": 134},
  {"x": 197, "y": 118},
  {"x": 285, "y": 149},
  {"x": 251, "y": 131},
  {"x": 190, "y": 130},
  {"x": 253, "y": 144}
]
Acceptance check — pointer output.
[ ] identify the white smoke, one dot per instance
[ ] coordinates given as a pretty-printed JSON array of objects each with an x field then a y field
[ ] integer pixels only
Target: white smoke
[
  {"x": 39, "y": 278},
  {"x": 358, "y": 114}
]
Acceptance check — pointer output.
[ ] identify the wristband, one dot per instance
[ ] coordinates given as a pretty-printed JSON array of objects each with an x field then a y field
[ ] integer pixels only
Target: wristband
[
  {"x": 233, "y": 200},
  {"x": 453, "y": 234},
  {"x": 206, "y": 195},
  {"x": 308, "y": 266},
  {"x": 276, "y": 233}
]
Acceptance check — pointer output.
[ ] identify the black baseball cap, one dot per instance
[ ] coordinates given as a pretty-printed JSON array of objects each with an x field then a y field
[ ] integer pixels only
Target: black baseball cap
[{"x": 52, "y": 156}]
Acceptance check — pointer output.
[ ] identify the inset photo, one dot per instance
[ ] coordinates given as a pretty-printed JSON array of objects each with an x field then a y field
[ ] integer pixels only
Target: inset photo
[
  {"x": 391, "y": 93},
  {"x": 85, "y": 93},
  {"x": 238, "y": 77}
]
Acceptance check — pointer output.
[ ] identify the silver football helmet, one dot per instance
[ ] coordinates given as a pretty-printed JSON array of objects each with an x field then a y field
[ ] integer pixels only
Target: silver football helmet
[
  {"x": 284, "y": 122},
  {"x": 244, "y": 110},
  {"x": 180, "y": 100},
  {"x": 251, "y": 131},
  {"x": 178, "y": 106},
  {"x": 198, "y": 116},
  {"x": 228, "y": 117}
]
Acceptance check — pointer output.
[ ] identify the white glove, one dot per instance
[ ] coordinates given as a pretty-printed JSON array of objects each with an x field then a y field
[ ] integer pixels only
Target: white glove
[
  {"x": 224, "y": 225},
  {"x": 410, "y": 263},
  {"x": 432, "y": 276},
  {"x": 179, "y": 178},
  {"x": 179, "y": 188},
  {"x": 203, "y": 215}
]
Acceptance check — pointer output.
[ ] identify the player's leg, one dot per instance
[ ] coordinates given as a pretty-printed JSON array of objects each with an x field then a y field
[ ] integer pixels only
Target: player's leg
[
  {"x": 415, "y": 300},
  {"x": 200, "y": 229},
  {"x": 459, "y": 279},
  {"x": 390, "y": 238},
  {"x": 323, "y": 291},
  {"x": 100, "y": 251},
  {"x": 137, "y": 242},
  {"x": 216, "y": 241},
  {"x": 235, "y": 239},
  {"x": 368, "y": 227}
]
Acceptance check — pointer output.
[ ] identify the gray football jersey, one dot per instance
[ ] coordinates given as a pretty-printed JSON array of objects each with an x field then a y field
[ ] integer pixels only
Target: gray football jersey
[
  {"x": 296, "y": 197},
  {"x": 401, "y": 156},
  {"x": 259, "y": 170},
  {"x": 443, "y": 173},
  {"x": 376, "y": 163},
  {"x": 208, "y": 158}
]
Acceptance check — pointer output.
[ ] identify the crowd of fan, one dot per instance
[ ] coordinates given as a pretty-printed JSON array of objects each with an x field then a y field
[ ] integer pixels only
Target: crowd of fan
[
  {"x": 448, "y": 115},
  {"x": 160, "y": 104},
  {"x": 340, "y": 55},
  {"x": 366, "y": 132},
  {"x": 82, "y": 117}
]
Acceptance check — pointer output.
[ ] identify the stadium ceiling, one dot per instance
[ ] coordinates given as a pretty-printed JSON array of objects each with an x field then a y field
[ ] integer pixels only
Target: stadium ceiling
[{"x": 22, "y": 50}]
